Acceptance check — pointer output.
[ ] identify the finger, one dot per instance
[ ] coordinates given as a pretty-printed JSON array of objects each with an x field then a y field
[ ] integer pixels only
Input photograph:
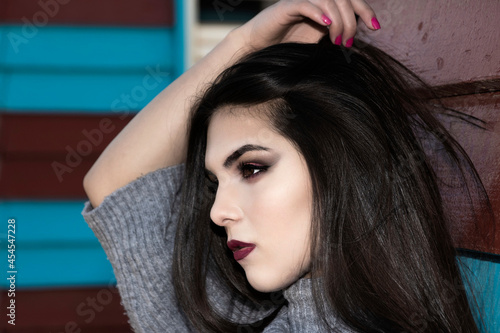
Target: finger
[
  {"x": 311, "y": 11},
  {"x": 337, "y": 26},
  {"x": 323, "y": 15},
  {"x": 366, "y": 13},
  {"x": 349, "y": 20}
]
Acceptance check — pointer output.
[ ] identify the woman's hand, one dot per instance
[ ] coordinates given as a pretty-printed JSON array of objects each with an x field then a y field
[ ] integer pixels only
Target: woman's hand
[{"x": 306, "y": 21}]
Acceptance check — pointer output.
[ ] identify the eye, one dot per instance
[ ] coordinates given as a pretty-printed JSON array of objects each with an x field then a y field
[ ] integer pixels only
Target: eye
[{"x": 250, "y": 170}]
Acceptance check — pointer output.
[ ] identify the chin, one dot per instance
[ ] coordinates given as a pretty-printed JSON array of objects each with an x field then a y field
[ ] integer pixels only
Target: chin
[
  {"x": 268, "y": 284},
  {"x": 265, "y": 288}
]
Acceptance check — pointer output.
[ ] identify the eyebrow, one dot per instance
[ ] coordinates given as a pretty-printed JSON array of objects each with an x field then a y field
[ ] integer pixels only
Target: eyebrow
[{"x": 239, "y": 152}]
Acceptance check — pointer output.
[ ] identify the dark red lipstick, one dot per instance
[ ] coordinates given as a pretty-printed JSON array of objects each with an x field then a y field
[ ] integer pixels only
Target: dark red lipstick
[{"x": 240, "y": 249}]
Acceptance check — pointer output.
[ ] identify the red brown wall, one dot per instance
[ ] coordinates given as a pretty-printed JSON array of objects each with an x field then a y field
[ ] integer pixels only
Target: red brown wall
[{"x": 454, "y": 45}]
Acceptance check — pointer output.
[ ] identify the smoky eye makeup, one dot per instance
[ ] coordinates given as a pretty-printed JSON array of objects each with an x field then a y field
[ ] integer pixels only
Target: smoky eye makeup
[
  {"x": 247, "y": 170},
  {"x": 250, "y": 170},
  {"x": 248, "y": 165}
]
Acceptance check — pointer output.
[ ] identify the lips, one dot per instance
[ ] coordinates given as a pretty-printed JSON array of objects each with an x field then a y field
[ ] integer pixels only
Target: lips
[{"x": 240, "y": 249}]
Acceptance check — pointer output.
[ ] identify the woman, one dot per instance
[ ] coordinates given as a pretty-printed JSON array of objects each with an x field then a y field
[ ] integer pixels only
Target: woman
[{"x": 299, "y": 190}]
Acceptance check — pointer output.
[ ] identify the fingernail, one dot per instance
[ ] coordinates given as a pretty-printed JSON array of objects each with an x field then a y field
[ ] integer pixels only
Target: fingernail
[
  {"x": 338, "y": 40},
  {"x": 375, "y": 23},
  {"x": 349, "y": 42},
  {"x": 326, "y": 19}
]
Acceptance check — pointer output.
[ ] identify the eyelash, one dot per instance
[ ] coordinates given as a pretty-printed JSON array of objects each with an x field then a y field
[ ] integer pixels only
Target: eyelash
[{"x": 242, "y": 168}]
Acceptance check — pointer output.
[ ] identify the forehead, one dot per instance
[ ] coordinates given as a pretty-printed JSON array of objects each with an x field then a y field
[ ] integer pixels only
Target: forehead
[
  {"x": 234, "y": 127},
  {"x": 232, "y": 122}
]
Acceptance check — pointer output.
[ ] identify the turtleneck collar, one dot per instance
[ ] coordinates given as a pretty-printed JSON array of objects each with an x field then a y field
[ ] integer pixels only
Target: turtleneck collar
[{"x": 302, "y": 316}]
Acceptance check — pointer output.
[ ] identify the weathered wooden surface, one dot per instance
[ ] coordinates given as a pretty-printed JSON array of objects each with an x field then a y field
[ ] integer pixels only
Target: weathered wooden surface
[
  {"x": 455, "y": 45},
  {"x": 443, "y": 41}
]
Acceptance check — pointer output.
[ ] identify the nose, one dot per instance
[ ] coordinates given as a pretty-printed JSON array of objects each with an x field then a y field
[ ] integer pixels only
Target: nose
[{"x": 226, "y": 208}]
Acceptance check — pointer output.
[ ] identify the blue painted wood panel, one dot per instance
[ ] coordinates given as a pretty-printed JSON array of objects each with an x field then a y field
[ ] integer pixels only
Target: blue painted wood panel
[
  {"x": 89, "y": 47},
  {"x": 83, "y": 91},
  {"x": 485, "y": 279},
  {"x": 87, "y": 69},
  {"x": 54, "y": 246},
  {"x": 3, "y": 86}
]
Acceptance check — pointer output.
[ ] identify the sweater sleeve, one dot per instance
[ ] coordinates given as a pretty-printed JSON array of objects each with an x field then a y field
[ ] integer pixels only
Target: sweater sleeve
[{"x": 136, "y": 228}]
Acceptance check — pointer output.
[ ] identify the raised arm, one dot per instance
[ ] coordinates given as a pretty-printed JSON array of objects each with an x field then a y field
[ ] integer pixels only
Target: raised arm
[{"x": 157, "y": 136}]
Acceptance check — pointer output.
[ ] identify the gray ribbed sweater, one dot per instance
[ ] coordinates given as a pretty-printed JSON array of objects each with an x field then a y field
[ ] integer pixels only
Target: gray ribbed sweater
[{"x": 136, "y": 228}]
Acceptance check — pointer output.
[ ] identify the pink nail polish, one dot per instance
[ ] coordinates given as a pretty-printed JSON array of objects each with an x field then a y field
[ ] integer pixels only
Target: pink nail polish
[
  {"x": 326, "y": 19},
  {"x": 338, "y": 40},
  {"x": 349, "y": 42},
  {"x": 375, "y": 23}
]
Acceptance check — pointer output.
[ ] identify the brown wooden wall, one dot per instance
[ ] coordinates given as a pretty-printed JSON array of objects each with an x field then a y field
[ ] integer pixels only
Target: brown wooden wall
[
  {"x": 46, "y": 156},
  {"x": 76, "y": 310},
  {"x": 89, "y": 12}
]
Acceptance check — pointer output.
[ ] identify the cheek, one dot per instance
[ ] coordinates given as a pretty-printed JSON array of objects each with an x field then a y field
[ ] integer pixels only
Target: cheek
[
  {"x": 277, "y": 196},
  {"x": 280, "y": 209}
]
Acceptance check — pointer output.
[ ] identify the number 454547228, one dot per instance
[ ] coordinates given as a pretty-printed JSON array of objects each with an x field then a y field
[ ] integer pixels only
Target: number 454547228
[{"x": 11, "y": 235}]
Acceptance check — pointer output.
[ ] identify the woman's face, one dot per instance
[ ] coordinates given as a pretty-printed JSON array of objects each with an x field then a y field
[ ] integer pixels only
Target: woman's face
[{"x": 263, "y": 199}]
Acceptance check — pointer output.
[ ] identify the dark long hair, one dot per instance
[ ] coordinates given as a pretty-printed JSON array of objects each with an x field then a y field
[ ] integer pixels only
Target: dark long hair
[{"x": 361, "y": 123}]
